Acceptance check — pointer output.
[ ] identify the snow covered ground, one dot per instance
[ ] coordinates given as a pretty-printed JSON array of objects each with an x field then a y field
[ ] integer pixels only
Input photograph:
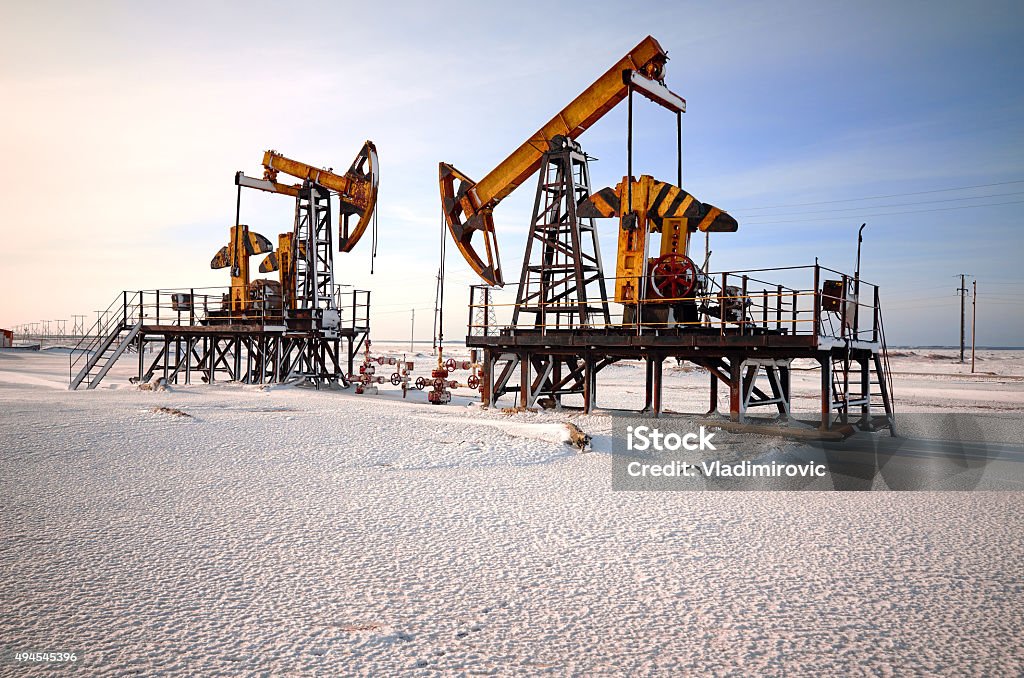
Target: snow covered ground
[{"x": 294, "y": 532}]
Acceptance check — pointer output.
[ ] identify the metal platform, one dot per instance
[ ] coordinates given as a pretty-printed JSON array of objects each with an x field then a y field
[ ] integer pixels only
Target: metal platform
[
  {"x": 746, "y": 335},
  {"x": 185, "y": 336}
]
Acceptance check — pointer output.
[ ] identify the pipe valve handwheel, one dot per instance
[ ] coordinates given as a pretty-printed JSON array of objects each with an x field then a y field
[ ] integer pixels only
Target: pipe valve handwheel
[{"x": 673, "y": 276}]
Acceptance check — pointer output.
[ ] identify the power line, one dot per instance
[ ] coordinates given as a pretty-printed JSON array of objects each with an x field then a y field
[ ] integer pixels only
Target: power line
[
  {"x": 891, "y": 195},
  {"x": 916, "y": 306},
  {"x": 884, "y": 214},
  {"x": 904, "y": 300},
  {"x": 897, "y": 204},
  {"x": 403, "y": 310}
]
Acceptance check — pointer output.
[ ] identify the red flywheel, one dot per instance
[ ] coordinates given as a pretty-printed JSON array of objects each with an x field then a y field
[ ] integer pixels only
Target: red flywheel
[{"x": 673, "y": 276}]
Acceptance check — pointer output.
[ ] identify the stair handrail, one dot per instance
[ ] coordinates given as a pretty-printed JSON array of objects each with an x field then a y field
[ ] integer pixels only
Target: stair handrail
[
  {"x": 884, "y": 349},
  {"x": 104, "y": 327}
]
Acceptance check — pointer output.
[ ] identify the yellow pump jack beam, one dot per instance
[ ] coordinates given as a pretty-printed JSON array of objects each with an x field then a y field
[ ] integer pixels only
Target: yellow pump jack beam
[
  {"x": 357, "y": 196},
  {"x": 356, "y": 189},
  {"x": 643, "y": 205},
  {"x": 468, "y": 205}
]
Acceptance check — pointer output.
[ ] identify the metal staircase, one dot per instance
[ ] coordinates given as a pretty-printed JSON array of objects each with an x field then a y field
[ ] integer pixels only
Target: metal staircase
[
  {"x": 883, "y": 397},
  {"x": 114, "y": 331},
  {"x": 864, "y": 382}
]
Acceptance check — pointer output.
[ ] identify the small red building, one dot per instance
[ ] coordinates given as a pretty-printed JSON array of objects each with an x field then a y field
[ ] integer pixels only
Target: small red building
[{"x": 6, "y": 338}]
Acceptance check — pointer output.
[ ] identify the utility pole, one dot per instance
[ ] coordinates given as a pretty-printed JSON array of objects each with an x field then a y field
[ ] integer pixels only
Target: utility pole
[
  {"x": 412, "y": 330},
  {"x": 974, "y": 321},
  {"x": 962, "y": 290}
]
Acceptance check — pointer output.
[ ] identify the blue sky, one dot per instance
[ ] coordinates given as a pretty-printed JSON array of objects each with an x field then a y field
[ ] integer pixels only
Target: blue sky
[{"x": 124, "y": 123}]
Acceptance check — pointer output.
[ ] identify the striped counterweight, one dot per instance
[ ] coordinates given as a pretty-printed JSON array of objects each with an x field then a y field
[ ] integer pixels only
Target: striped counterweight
[
  {"x": 658, "y": 201},
  {"x": 251, "y": 243}
]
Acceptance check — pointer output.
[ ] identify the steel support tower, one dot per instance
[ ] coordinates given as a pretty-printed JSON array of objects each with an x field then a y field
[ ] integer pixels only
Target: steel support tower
[
  {"x": 314, "y": 249},
  {"x": 562, "y": 282}
]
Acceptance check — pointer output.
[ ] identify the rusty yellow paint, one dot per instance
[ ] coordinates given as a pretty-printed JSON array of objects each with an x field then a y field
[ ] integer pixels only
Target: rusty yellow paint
[
  {"x": 708, "y": 222},
  {"x": 651, "y": 206},
  {"x": 581, "y": 113},
  {"x": 357, "y": 188},
  {"x": 222, "y": 259},
  {"x": 286, "y": 272},
  {"x": 675, "y": 236},
  {"x": 468, "y": 206},
  {"x": 658, "y": 207},
  {"x": 235, "y": 256},
  {"x": 274, "y": 162},
  {"x": 239, "y": 268},
  {"x": 629, "y": 264},
  {"x": 630, "y": 261}
]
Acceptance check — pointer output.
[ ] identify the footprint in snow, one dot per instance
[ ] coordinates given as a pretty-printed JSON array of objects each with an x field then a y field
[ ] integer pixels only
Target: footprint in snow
[
  {"x": 464, "y": 632},
  {"x": 475, "y": 628}
]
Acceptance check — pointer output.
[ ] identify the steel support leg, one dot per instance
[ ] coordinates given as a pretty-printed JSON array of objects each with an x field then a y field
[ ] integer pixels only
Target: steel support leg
[
  {"x": 486, "y": 377},
  {"x": 648, "y": 383},
  {"x": 524, "y": 380},
  {"x": 826, "y": 392},
  {"x": 713, "y": 409},
  {"x": 657, "y": 363},
  {"x": 735, "y": 389},
  {"x": 589, "y": 384}
]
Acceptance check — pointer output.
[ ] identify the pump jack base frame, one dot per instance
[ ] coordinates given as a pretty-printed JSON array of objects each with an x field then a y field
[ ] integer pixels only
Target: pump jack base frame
[
  {"x": 248, "y": 354},
  {"x": 754, "y": 366}
]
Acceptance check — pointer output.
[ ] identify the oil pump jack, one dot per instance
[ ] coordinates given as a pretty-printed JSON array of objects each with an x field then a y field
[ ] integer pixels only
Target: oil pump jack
[
  {"x": 300, "y": 313},
  {"x": 265, "y": 331},
  {"x": 562, "y": 281},
  {"x": 304, "y": 257},
  {"x": 671, "y": 307}
]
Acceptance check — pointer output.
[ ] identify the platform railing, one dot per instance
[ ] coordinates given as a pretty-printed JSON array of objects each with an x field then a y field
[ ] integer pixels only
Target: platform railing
[
  {"x": 359, "y": 305},
  {"x": 200, "y": 305},
  {"x": 178, "y": 307},
  {"x": 731, "y": 302}
]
